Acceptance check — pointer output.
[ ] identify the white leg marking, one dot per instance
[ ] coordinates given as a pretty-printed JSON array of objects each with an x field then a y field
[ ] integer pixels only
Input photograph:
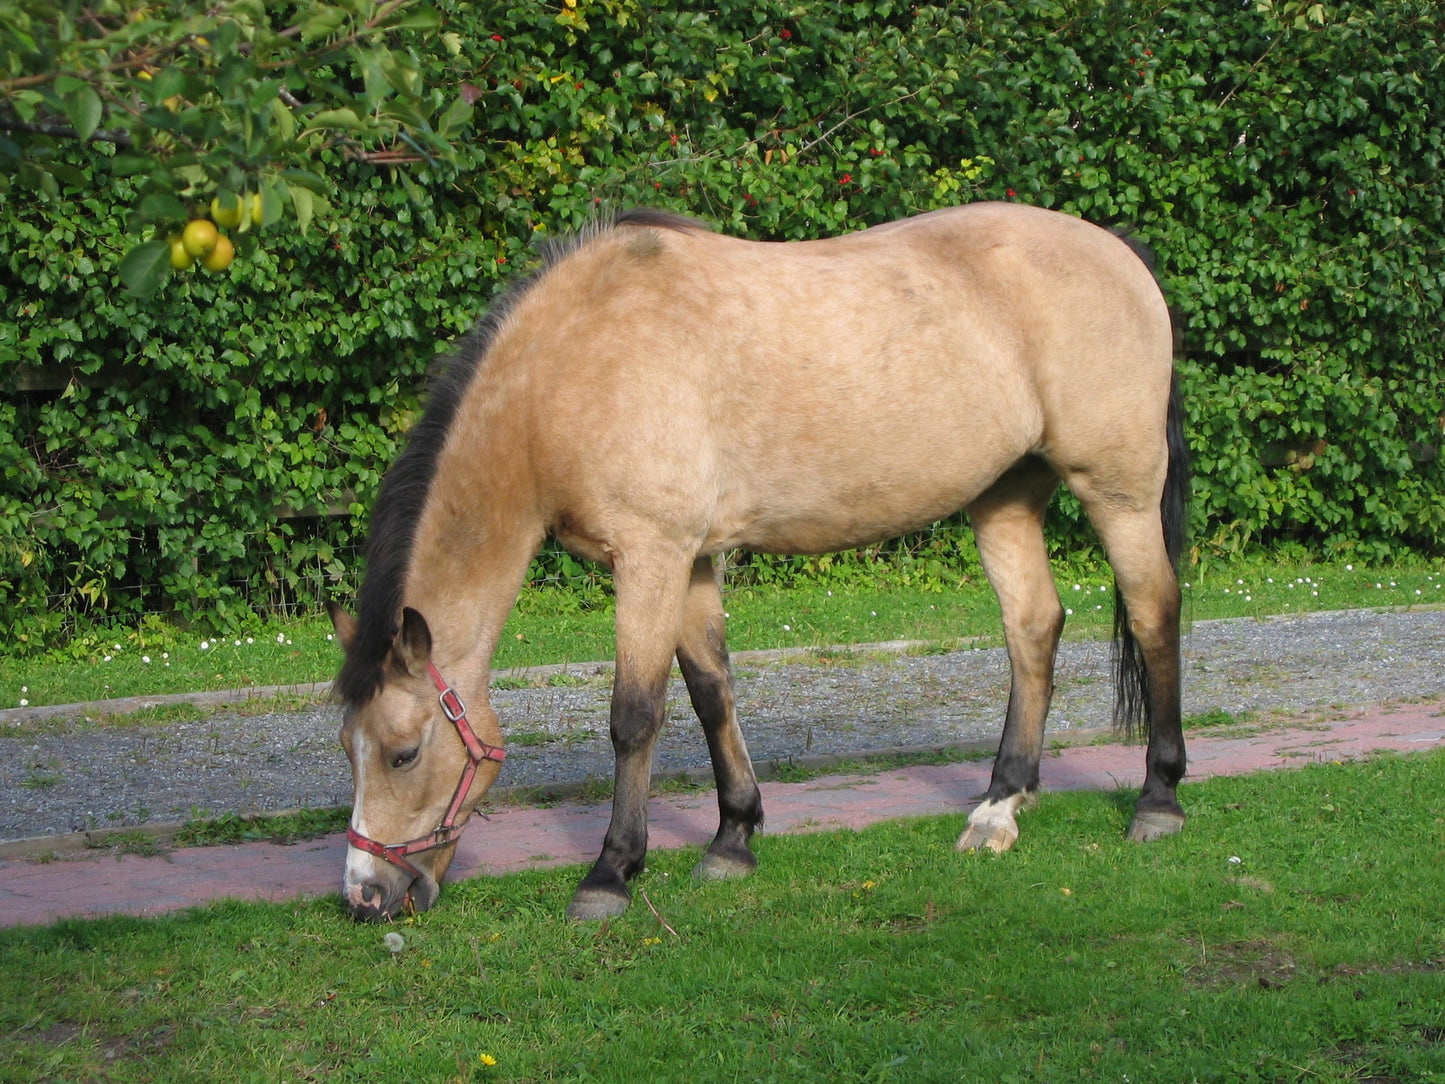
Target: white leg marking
[{"x": 994, "y": 824}]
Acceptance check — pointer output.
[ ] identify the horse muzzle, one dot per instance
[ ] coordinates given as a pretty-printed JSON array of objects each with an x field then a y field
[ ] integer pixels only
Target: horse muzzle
[{"x": 389, "y": 897}]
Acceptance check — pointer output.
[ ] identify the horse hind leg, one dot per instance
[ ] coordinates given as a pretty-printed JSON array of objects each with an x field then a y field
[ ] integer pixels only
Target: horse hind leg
[
  {"x": 703, "y": 658},
  {"x": 651, "y": 589},
  {"x": 1008, "y": 527},
  {"x": 1147, "y": 661}
]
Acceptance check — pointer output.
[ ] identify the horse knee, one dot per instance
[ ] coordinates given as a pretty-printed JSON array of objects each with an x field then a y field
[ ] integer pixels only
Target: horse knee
[
  {"x": 1033, "y": 635},
  {"x": 636, "y": 718}
]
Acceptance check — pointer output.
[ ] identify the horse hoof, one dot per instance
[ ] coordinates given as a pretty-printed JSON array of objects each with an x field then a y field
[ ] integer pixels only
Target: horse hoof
[
  {"x": 1157, "y": 824},
  {"x": 723, "y": 867},
  {"x": 992, "y": 826},
  {"x": 593, "y": 905},
  {"x": 992, "y": 837}
]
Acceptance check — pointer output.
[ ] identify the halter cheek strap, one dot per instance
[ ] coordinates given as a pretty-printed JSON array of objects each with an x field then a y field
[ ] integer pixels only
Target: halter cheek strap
[{"x": 448, "y": 830}]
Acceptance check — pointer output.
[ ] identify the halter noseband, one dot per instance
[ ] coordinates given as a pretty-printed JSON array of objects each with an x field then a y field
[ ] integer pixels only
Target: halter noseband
[{"x": 448, "y": 830}]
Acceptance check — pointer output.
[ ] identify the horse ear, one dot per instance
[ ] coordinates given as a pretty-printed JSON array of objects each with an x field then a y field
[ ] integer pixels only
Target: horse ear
[
  {"x": 413, "y": 642},
  {"x": 343, "y": 623}
]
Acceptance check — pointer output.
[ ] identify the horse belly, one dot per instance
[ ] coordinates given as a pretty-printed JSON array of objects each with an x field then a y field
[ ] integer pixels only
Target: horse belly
[{"x": 832, "y": 494}]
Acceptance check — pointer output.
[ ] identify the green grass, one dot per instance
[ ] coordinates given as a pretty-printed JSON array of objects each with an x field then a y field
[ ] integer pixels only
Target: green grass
[
  {"x": 548, "y": 626},
  {"x": 1292, "y": 933}
]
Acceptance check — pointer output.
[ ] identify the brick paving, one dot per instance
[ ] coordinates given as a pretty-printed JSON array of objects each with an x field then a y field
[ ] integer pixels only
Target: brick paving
[{"x": 34, "y": 892}]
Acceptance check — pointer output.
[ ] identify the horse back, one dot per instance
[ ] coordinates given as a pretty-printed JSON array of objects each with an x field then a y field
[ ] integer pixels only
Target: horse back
[{"x": 809, "y": 396}]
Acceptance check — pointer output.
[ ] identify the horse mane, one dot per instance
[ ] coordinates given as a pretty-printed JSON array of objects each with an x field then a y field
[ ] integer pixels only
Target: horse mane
[{"x": 404, "y": 490}]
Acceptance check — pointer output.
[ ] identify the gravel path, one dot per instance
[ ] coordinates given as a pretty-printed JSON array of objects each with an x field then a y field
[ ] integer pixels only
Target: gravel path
[{"x": 59, "y": 776}]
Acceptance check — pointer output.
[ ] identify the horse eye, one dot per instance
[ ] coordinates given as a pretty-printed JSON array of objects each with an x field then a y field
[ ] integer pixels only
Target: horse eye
[{"x": 401, "y": 760}]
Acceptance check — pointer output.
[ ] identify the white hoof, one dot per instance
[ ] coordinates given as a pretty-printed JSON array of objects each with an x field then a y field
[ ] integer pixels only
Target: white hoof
[{"x": 994, "y": 825}]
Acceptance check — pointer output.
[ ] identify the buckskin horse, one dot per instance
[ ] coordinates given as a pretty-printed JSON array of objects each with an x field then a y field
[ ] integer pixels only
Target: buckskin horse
[{"x": 658, "y": 393}]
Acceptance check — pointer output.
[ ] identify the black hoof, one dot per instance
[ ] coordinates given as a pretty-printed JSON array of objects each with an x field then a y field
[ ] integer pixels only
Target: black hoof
[{"x": 594, "y": 904}]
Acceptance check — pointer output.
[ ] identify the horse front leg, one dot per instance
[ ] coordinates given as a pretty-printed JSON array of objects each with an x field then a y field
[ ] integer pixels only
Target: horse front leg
[
  {"x": 650, "y": 594},
  {"x": 702, "y": 655},
  {"x": 1008, "y": 527}
]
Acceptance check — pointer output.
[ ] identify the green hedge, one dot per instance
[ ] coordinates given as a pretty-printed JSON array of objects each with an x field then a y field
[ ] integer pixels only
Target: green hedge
[{"x": 1286, "y": 171}]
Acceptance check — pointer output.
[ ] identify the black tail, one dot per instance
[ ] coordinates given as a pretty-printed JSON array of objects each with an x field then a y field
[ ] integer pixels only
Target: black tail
[{"x": 1131, "y": 697}]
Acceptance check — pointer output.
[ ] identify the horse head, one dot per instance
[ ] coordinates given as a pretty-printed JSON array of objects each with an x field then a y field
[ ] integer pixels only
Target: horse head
[{"x": 419, "y": 767}]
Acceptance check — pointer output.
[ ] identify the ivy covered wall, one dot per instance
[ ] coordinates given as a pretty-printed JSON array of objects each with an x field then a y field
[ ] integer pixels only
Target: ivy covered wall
[{"x": 220, "y": 442}]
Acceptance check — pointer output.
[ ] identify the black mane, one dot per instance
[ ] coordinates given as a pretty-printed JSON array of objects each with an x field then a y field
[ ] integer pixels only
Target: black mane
[{"x": 404, "y": 490}]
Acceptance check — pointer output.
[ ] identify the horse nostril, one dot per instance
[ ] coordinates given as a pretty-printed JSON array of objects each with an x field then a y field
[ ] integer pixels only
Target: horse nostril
[{"x": 370, "y": 894}]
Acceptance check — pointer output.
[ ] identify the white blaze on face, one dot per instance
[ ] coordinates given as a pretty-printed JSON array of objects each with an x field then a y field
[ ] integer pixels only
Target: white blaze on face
[{"x": 360, "y": 866}]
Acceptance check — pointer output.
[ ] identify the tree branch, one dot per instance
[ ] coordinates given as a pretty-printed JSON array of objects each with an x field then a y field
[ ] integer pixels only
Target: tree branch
[{"x": 62, "y": 131}]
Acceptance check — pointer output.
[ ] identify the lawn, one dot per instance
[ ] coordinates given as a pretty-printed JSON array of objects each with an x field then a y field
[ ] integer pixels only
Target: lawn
[{"x": 1292, "y": 933}]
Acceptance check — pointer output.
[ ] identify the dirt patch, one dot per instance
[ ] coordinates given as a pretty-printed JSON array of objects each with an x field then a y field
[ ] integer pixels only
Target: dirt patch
[{"x": 1257, "y": 962}]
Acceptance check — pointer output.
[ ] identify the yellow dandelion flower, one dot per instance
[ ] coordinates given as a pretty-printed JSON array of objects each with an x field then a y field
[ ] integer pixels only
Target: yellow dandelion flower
[{"x": 487, "y": 1060}]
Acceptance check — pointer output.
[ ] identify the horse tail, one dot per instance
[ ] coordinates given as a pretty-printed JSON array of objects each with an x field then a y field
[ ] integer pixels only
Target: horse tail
[{"x": 1131, "y": 696}]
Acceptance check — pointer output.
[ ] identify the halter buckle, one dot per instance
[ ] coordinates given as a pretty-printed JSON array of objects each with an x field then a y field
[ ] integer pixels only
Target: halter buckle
[{"x": 452, "y": 705}]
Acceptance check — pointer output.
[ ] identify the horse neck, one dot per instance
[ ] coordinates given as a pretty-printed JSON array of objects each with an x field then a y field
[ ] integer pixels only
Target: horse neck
[{"x": 469, "y": 561}]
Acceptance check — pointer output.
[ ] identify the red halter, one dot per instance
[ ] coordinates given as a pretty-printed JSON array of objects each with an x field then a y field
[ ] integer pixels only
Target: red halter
[{"x": 448, "y": 830}]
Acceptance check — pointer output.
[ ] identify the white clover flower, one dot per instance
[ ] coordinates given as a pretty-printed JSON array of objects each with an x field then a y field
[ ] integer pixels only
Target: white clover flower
[
  {"x": 787, "y": 628},
  {"x": 146, "y": 659},
  {"x": 280, "y": 637},
  {"x": 205, "y": 646},
  {"x": 24, "y": 703},
  {"x": 252, "y": 639}
]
